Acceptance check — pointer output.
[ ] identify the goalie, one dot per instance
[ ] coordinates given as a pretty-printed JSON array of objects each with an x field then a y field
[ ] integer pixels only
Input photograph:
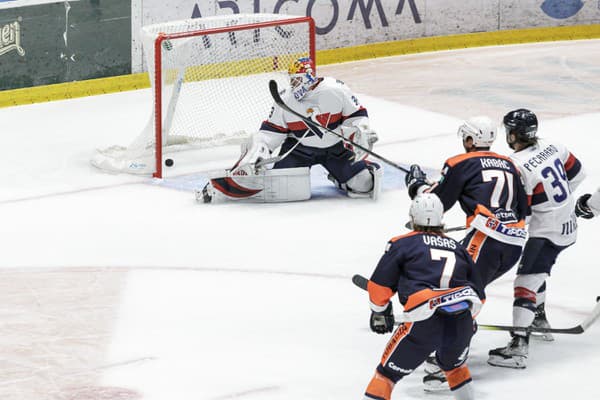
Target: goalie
[{"x": 331, "y": 104}]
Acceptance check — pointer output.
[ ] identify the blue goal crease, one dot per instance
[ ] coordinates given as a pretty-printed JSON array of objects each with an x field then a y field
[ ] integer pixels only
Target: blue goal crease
[{"x": 393, "y": 179}]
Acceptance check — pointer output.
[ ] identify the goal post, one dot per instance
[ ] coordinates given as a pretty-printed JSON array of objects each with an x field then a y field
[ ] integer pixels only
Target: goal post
[{"x": 209, "y": 80}]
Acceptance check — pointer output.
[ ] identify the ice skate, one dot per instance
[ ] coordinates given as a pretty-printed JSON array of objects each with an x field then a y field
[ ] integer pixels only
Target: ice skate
[
  {"x": 540, "y": 321},
  {"x": 434, "y": 379},
  {"x": 208, "y": 194},
  {"x": 514, "y": 355}
]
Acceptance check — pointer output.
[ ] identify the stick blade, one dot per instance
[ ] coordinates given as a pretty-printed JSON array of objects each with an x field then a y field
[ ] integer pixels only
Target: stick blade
[
  {"x": 360, "y": 281},
  {"x": 275, "y": 91}
]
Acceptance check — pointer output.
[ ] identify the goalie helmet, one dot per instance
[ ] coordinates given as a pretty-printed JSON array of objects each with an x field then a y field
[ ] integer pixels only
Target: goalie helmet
[
  {"x": 426, "y": 210},
  {"x": 302, "y": 76},
  {"x": 481, "y": 129},
  {"x": 523, "y": 124}
]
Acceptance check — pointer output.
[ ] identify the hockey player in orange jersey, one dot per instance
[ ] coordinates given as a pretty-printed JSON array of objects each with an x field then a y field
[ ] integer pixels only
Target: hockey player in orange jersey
[{"x": 441, "y": 292}]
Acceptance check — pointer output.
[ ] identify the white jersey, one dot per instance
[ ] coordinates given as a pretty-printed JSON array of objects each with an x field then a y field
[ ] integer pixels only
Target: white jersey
[
  {"x": 331, "y": 103},
  {"x": 550, "y": 174}
]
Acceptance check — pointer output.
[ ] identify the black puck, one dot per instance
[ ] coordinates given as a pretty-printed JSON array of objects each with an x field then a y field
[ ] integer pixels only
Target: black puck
[{"x": 169, "y": 162}]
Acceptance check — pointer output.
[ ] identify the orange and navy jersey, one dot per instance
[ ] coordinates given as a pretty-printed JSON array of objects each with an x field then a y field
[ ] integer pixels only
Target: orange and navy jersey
[
  {"x": 417, "y": 266},
  {"x": 483, "y": 180},
  {"x": 330, "y": 102}
]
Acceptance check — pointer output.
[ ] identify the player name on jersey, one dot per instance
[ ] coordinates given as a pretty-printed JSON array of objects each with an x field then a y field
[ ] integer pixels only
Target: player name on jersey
[
  {"x": 438, "y": 241},
  {"x": 494, "y": 163},
  {"x": 540, "y": 157}
]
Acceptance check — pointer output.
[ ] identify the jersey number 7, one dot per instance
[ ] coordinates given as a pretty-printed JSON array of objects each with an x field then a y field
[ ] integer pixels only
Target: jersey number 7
[
  {"x": 503, "y": 180},
  {"x": 448, "y": 268}
]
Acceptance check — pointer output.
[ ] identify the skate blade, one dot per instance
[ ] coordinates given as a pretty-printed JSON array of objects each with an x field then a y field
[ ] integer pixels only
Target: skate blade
[
  {"x": 546, "y": 337},
  {"x": 433, "y": 383},
  {"x": 516, "y": 362},
  {"x": 434, "y": 387}
]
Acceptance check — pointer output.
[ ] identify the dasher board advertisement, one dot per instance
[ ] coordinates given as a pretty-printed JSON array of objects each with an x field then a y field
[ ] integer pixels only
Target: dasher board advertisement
[
  {"x": 344, "y": 23},
  {"x": 56, "y": 42}
]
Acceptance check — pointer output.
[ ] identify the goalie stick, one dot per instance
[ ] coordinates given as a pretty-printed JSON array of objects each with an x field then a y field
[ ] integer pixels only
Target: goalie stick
[
  {"x": 316, "y": 126},
  {"x": 362, "y": 283}
]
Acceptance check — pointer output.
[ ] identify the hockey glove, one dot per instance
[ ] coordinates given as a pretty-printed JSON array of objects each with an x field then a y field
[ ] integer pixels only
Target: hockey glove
[
  {"x": 253, "y": 151},
  {"x": 414, "y": 179},
  {"x": 582, "y": 209},
  {"x": 362, "y": 135},
  {"x": 383, "y": 322}
]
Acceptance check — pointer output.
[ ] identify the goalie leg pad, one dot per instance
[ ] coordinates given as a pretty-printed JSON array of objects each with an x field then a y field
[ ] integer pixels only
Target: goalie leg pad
[
  {"x": 269, "y": 186},
  {"x": 367, "y": 183}
]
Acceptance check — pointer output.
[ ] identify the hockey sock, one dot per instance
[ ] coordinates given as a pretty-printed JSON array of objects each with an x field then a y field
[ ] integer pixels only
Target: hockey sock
[
  {"x": 540, "y": 297},
  {"x": 524, "y": 307},
  {"x": 458, "y": 378},
  {"x": 380, "y": 388}
]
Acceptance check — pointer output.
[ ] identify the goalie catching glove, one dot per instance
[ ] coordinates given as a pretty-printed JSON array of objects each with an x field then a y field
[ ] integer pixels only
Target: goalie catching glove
[{"x": 253, "y": 151}]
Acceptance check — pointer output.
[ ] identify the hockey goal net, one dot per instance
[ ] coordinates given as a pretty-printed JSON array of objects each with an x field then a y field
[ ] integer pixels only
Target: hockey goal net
[{"x": 209, "y": 81}]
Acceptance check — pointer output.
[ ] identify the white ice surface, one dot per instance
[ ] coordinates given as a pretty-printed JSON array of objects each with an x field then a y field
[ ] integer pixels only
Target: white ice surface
[{"x": 254, "y": 301}]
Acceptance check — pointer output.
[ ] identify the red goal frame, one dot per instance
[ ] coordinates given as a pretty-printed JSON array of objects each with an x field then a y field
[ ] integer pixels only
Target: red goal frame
[{"x": 158, "y": 68}]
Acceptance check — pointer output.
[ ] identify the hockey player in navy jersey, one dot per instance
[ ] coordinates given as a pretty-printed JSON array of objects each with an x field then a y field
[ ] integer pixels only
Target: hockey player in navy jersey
[
  {"x": 441, "y": 293},
  {"x": 551, "y": 173},
  {"x": 331, "y": 104},
  {"x": 588, "y": 205},
  {"x": 489, "y": 189}
]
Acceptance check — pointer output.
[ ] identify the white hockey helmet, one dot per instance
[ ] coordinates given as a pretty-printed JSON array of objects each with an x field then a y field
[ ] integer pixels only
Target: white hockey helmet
[
  {"x": 426, "y": 210},
  {"x": 481, "y": 129},
  {"x": 302, "y": 76}
]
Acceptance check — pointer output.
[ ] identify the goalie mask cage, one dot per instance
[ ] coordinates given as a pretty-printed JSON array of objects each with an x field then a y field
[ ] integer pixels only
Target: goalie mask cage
[{"x": 209, "y": 81}]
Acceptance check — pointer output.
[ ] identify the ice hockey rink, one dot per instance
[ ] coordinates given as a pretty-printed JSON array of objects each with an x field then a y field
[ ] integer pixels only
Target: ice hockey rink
[{"x": 117, "y": 287}]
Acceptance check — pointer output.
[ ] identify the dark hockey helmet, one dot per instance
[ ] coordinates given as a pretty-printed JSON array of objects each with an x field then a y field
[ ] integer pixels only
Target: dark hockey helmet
[{"x": 523, "y": 124}]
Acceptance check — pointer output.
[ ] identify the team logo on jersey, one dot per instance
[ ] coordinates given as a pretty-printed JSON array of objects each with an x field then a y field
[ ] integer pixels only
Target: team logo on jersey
[
  {"x": 492, "y": 223},
  {"x": 322, "y": 119}
]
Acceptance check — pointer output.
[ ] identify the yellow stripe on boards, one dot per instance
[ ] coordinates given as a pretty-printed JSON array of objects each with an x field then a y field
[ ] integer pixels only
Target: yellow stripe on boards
[{"x": 383, "y": 49}]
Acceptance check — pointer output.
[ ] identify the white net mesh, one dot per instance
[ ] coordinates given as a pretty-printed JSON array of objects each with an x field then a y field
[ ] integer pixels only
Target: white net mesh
[{"x": 214, "y": 84}]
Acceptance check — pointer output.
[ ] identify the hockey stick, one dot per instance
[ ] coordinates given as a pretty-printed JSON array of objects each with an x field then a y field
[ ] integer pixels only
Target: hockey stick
[
  {"x": 408, "y": 225},
  {"x": 271, "y": 160},
  {"x": 362, "y": 282},
  {"x": 318, "y": 127}
]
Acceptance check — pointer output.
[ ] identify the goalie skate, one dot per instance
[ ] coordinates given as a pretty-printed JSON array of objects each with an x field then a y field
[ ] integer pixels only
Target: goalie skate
[
  {"x": 514, "y": 355},
  {"x": 208, "y": 194}
]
